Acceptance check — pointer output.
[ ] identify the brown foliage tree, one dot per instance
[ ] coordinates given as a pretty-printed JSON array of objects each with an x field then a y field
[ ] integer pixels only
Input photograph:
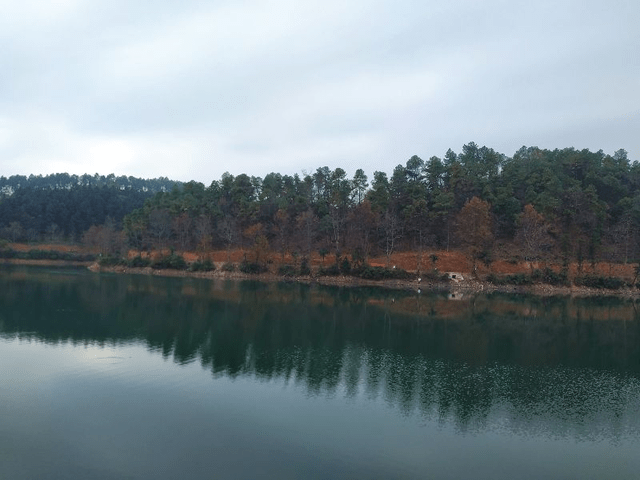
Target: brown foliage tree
[
  {"x": 532, "y": 234},
  {"x": 182, "y": 226},
  {"x": 203, "y": 234},
  {"x": 281, "y": 227},
  {"x": 160, "y": 227},
  {"x": 255, "y": 235},
  {"x": 306, "y": 230},
  {"x": 362, "y": 223},
  {"x": 474, "y": 228},
  {"x": 105, "y": 237}
]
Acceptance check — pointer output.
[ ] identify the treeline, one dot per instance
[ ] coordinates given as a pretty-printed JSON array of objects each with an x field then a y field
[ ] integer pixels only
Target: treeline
[
  {"x": 63, "y": 206},
  {"x": 65, "y": 181},
  {"x": 537, "y": 204}
]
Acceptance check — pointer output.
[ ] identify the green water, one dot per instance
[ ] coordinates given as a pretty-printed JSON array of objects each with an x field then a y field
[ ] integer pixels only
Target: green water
[{"x": 105, "y": 376}]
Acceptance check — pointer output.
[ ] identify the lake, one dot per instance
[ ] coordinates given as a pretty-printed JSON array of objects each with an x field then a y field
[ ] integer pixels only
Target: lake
[{"x": 106, "y": 376}]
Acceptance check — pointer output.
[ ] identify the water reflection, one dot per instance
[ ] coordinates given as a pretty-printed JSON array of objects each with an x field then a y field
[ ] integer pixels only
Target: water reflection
[{"x": 553, "y": 366}]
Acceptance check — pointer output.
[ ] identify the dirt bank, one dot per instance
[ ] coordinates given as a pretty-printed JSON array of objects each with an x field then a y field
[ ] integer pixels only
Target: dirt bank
[
  {"x": 464, "y": 287},
  {"x": 443, "y": 261}
]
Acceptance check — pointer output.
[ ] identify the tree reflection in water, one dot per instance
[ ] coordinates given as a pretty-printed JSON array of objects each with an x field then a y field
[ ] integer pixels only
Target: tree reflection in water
[{"x": 559, "y": 366}]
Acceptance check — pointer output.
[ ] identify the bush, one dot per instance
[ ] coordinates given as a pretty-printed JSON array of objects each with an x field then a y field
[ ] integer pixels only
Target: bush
[
  {"x": 287, "y": 270},
  {"x": 8, "y": 253},
  {"x": 228, "y": 267},
  {"x": 345, "y": 266},
  {"x": 435, "y": 276},
  {"x": 304, "y": 266},
  {"x": 516, "y": 279},
  {"x": 110, "y": 261},
  {"x": 252, "y": 268},
  {"x": 35, "y": 254},
  {"x": 372, "y": 273},
  {"x": 138, "y": 262},
  {"x": 382, "y": 273},
  {"x": 550, "y": 277},
  {"x": 547, "y": 276},
  {"x": 330, "y": 271},
  {"x": 202, "y": 266},
  {"x": 171, "y": 261},
  {"x": 594, "y": 281}
]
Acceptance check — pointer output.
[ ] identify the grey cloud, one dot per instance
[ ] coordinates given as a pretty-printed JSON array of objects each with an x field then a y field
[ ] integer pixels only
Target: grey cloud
[{"x": 289, "y": 83}]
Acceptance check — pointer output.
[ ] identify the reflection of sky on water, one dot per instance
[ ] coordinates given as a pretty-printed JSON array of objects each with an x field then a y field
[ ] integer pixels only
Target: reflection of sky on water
[
  {"x": 561, "y": 402},
  {"x": 144, "y": 415}
]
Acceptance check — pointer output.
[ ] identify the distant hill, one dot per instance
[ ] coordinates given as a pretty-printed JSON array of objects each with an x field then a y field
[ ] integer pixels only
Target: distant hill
[
  {"x": 65, "y": 181},
  {"x": 64, "y": 206}
]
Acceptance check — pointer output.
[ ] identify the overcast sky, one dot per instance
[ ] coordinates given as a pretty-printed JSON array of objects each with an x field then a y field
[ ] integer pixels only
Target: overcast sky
[{"x": 191, "y": 89}]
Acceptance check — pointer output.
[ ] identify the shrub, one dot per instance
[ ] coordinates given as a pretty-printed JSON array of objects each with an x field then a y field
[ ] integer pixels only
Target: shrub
[
  {"x": 494, "y": 279},
  {"x": 516, "y": 279},
  {"x": 138, "y": 262},
  {"x": 435, "y": 276},
  {"x": 330, "y": 271},
  {"x": 8, "y": 253},
  {"x": 35, "y": 254},
  {"x": 519, "y": 279},
  {"x": 171, "y": 261},
  {"x": 304, "y": 266},
  {"x": 287, "y": 270},
  {"x": 202, "y": 266},
  {"x": 345, "y": 266},
  {"x": 372, "y": 273},
  {"x": 252, "y": 267},
  {"x": 228, "y": 267},
  {"x": 110, "y": 261},
  {"x": 550, "y": 277},
  {"x": 595, "y": 281},
  {"x": 382, "y": 273}
]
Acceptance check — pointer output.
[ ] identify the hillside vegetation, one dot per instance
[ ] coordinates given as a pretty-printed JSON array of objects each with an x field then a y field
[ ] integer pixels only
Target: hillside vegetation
[{"x": 548, "y": 207}]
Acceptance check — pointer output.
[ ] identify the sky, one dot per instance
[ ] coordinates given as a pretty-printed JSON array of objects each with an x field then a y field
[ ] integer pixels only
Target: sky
[{"x": 192, "y": 89}]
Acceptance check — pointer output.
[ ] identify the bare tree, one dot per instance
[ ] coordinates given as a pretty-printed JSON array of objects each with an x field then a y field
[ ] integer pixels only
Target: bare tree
[
  {"x": 532, "y": 234},
  {"x": 418, "y": 216},
  {"x": 281, "y": 224},
  {"x": 203, "y": 234},
  {"x": 362, "y": 222},
  {"x": 306, "y": 230},
  {"x": 106, "y": 238},
  {"x": 182, "y": 227},
  {"x": 391, "y": 233},
  {"x": 54, "y": 234},
  {"x": 473, "y": 228},
  {"x": 228, "y": 230},
  {"x": 15, "y": 231},
  {"x": 160, "y": 227}
]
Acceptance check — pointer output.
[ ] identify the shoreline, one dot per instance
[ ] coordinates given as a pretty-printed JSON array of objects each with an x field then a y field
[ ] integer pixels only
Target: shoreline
[
  {"x": 45, "y": 262},
  {"x": 464, "y": 287}
]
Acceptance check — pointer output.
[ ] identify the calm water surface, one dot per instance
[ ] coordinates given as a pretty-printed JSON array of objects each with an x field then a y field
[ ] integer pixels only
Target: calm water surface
[{"x": 105, "y": 376}]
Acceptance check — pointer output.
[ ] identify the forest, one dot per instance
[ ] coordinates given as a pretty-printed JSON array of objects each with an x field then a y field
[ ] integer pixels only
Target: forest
[
  {"x": 546, "y": 205},
  {"x": 63, "y": 207}
]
